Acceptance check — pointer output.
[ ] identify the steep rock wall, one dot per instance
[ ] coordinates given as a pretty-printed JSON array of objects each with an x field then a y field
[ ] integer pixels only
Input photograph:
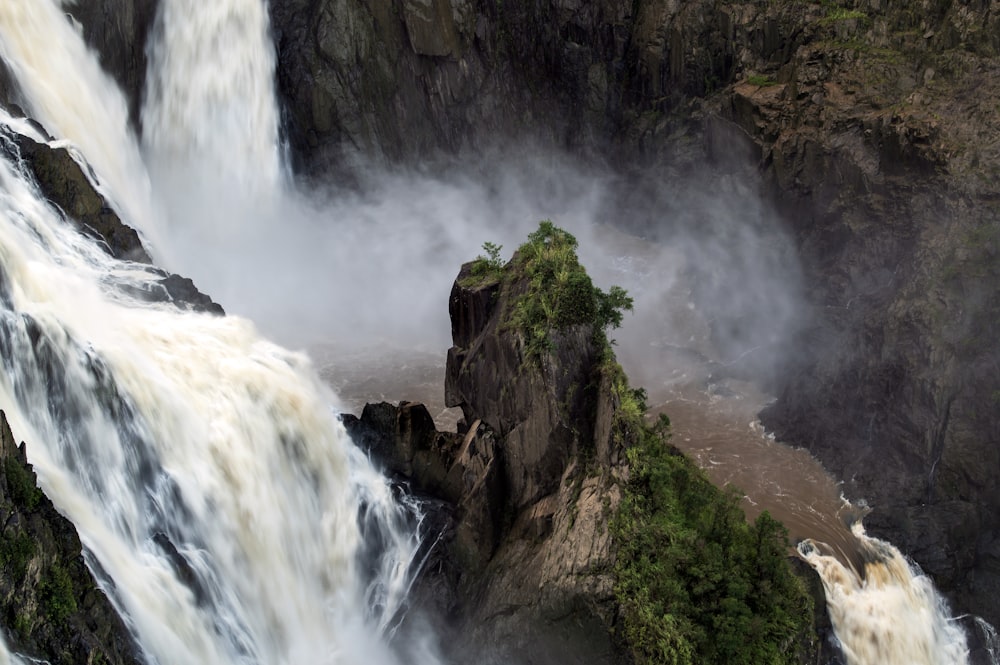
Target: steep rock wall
[
  {"x": 50, "y": 603},
  {"x": 533, "y": 476}
]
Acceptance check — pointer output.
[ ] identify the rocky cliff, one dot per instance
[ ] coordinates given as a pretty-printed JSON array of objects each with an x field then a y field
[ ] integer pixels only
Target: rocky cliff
[
  {"x": 533, "y": 477},
  {"x": 50, "y": 604}
]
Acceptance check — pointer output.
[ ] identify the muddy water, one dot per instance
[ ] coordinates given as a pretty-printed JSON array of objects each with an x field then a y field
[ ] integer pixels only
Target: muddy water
[{"x": 714, "y": 423}]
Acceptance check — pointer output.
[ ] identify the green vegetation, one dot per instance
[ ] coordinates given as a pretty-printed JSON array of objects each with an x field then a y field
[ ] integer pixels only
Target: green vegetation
[
  {"x": 15, "y": 552},
  {"x": 761, "y": 81},
  {"x": 21, "y": 485},
  {"x": 486, "y": 268},
  {"x": 696, "y": 582},
  {"x": 55, "y": 592},
  {"x": 844, "y": 14},
  {"x": 557, "y": 291}
]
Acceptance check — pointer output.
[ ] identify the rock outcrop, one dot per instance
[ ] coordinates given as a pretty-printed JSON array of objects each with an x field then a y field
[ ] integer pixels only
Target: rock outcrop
[
  {"x": 62, "y": 180},
  {"x": 526, "y": 563},
  {"x": 66, "y": 186},
  {"x": 50, "y": 604},
  {"x": 533, "y": 475}
]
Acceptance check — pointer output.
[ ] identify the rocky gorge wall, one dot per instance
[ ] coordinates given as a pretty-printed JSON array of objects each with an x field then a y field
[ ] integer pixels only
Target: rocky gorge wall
[{"x": 873, "y": 124}]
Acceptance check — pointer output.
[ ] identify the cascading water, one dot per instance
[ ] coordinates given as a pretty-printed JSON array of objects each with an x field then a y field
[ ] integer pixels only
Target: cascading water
[
  {"x": 178, "y": 432},
  {"x": 210, "y": 104},
  {"x": 180, "y": 440},
  {"x": 75, "y": 100},
  {"x": 889, "y": 613}
]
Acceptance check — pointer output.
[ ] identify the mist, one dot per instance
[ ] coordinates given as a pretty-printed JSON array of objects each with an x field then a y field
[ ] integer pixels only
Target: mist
[{"x": 362, "y": 273}]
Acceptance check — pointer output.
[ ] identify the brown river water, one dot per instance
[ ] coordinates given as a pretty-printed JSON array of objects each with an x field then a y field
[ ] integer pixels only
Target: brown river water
[{"x": 715, "y": 424}]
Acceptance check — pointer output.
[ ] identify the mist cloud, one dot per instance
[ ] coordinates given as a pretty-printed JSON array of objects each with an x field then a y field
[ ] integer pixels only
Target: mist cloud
[{"x": 369, "y": 268}]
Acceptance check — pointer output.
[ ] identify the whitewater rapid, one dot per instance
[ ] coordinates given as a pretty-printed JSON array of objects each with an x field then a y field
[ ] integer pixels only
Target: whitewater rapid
[
  {"x": 173, "y": 433},
  {"x": 889, "y": 613}
]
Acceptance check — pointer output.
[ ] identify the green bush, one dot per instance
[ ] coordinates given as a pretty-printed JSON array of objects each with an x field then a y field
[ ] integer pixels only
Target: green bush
[
  {"x": 55, "y": 592},
  {"x": 21, "y": 485},
  {"x": 560, "y": 294},
  {"x": 15, "y": 552},
  {"x": 696, "y": 582},
  {"x": 486, "y": 267}
]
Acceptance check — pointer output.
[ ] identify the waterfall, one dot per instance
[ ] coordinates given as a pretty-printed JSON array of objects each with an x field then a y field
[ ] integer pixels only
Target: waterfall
[
  {"x": 173, "y": 433},
  {"x": 210, "y": 108},
  {"x": 76, "y": 100},
  {"x": 218, "y": 497},
  {"x": 889, "y": 613}
]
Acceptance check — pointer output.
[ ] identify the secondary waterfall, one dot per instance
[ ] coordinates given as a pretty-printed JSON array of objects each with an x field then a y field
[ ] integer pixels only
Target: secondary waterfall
[
  {"x": 179, "y": 434},
  {"x": 889, "y": 613},
  {"x": 210, "y": 106},
  {"x": 170, "y": 434}
]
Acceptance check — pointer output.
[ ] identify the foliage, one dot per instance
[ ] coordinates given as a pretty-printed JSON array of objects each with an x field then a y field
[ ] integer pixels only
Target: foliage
[
  {"x": 486, "y": 267},
  {"x": 55, "y": 592},
  {"x": 15, "y": 552},
  {"x": 761, "y": 81},
  {"x": 696, "y": 582},
  {"x": 843, "y": 14},
  {"x": 21, "y": 485},
  {"x": 559, "y": 292}
]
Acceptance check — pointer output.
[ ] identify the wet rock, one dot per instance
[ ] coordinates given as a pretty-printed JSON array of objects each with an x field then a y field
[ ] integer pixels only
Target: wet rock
[
  {"x": 118, "y": 30},
  {"x": 64, "y": 183},
  {"x": 404, "y": 440},
  {"x": 50, "y": 604},
  {"x": 182, "y": 292},
  {"x": 8, "y": 86}
]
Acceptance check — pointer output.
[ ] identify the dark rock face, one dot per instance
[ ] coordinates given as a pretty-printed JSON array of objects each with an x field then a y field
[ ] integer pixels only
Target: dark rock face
[
  {"x": 409, "y": 78},
  {"x": 118, "y": 30},
  {"x": 50, "y": 603},
  {"x": 66, "y": 185},
  {"x": 877, "y": 152},
  {"x": 534, "y": 481}
]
